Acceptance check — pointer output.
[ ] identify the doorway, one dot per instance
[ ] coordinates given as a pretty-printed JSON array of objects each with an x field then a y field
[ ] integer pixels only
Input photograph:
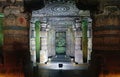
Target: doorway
[{"x": 60, "y": 43}]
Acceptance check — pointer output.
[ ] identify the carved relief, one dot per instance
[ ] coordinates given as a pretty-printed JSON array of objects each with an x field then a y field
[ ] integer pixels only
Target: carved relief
[
  {"x": 21, "y": 21},
  {"x": 59, "y": 8},
  {"x": 11, "y": 10},
  {"x": 12, "y": 1},
  {"x": 14, "y": 15},
  {"x": 10, "y": 19}
]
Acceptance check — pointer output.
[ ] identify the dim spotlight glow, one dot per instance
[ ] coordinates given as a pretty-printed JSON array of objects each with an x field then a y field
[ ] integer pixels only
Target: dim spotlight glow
[{"x": 63, "y": 66}]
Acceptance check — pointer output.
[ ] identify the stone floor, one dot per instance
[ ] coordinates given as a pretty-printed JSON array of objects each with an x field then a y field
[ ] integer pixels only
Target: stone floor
[
  {"x": 63, "y": 73},
  {"x": 68, "y": 69}
]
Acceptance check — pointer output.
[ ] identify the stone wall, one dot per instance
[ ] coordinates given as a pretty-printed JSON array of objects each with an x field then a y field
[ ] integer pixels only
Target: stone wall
[{"x": 16, "y": 37}]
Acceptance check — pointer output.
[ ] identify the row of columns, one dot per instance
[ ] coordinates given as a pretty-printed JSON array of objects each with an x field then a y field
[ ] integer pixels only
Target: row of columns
[{"x": 77, "y": 41}]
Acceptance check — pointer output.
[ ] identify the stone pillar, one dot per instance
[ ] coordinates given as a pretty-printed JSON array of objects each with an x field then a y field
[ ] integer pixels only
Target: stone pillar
[
  {"x": 44, "y": 44},
  {"x": 51, "y": 42},
  {"x": 106, "y": 42},
  {"x": 89, "y": 35},
  {"x": 32, "y": 42},
  {"x": 106, "y": 30},
  {"x": 16, "y": 36},
  {"x": 78, "y": 43},
  {"x": 70, "y": 39},
  {"x": 1, "y": 37}
]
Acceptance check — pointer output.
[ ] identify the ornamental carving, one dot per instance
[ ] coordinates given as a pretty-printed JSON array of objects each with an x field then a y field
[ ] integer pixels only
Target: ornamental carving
[{"x": 59, "y": 8}]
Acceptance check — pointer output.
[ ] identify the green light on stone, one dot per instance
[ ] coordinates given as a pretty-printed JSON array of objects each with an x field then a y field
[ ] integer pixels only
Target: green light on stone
[
  {"x": 60, "y": 42},
  {"x": 84, "y": 40},
  {"x": 1, "y": 32},
  {"x": 60, "y": 50},
  {"x": 1, "y": 15},
  {"x": 37, "y": 40}
]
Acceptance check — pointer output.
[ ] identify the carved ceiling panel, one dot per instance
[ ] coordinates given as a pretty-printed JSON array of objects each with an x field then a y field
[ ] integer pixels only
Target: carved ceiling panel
[{"x": 57, "y": 9}]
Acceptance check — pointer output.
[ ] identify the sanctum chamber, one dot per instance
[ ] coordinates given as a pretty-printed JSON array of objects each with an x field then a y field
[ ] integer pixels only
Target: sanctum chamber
[{"x": 61, "y": 37}]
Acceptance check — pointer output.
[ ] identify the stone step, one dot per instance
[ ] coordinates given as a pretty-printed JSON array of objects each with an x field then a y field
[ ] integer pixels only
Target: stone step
[{"x": 61, "y": 58}]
